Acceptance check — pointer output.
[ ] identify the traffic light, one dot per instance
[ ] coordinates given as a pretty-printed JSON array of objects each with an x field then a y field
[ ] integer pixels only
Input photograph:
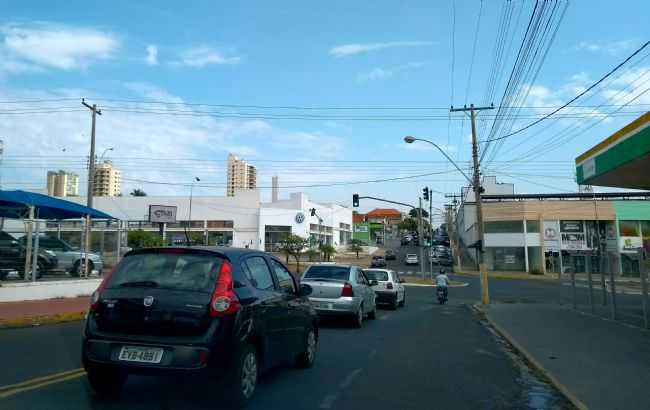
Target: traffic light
[
  {"x": 312, "y": 211},
  {"x": 355, "y": 200},
  {"x": 425, "y": 193}
]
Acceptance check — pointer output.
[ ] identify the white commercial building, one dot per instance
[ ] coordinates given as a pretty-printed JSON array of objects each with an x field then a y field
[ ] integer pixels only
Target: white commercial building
[{"x": 241, "y": 220}]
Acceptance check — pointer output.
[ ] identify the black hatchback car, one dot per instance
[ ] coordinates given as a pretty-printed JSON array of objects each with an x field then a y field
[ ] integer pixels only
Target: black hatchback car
[{"x": 211, "y": 311}]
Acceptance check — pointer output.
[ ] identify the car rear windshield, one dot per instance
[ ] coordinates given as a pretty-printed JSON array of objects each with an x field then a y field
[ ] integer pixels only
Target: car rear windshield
[
  {"x": 180, "y": 271},
  {"x": 377, "y": 257},
  {"x": 411, "y": 256},
  {"x": 328, "y": 272},
  {"x": 377, "y": 275}
]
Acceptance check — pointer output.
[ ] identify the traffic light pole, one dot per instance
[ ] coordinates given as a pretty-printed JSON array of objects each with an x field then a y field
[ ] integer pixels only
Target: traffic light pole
[{"x": 485, "y": 295}]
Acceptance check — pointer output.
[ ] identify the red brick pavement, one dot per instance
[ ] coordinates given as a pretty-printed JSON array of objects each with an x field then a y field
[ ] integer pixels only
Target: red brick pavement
[{"x": 39, "y": 308}]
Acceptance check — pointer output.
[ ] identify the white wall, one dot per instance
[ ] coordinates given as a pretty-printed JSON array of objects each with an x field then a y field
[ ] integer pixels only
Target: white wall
[{"x": 14, "y": 292}]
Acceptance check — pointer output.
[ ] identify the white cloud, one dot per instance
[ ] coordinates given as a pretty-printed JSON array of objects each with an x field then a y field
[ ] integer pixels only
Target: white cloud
[
  {"x": 55, "y": 46},
  {"x": 608, "y": 47},
  {"x": 152, "y": 54},
  {"x": 151, "y": 92},
  {"x": 344, "y": 50},
  {"x": 379, "y": 73},
  {"x": 204, "y": 55}
]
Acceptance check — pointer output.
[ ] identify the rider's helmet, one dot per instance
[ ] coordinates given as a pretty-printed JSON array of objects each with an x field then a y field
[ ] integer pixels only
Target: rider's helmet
[{"x": 442, "y": 271}]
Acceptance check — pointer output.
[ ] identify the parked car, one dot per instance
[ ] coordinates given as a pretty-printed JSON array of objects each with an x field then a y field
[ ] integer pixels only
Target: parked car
[
  {"x": 341, "y": 290},
  {"x": 377, "y": 262},
  {"x": 389, "y": 288},
  {"x": 70, "y": 259},
  {"x": 411, "y": 259},
  {"x": 389, "y": 255},
  {"x": 208, "y": 311},
  {"x": 13, "y": 254}
]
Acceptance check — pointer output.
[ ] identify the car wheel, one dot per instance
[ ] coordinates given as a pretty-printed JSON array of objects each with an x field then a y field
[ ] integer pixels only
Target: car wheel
[
  {"x": 39, "y": 271},
  {"x": 78, "y": 268},
  {"x": 403, "y": 302},
  {"x": 373, "y": 315},
  {"x": 106, "y": 383},
  {"x": 358, "y": 319},
  {"x": 393, "y": 305},
  {"x": 305, "y": 360},
  {"x": 243, "y": 377}
]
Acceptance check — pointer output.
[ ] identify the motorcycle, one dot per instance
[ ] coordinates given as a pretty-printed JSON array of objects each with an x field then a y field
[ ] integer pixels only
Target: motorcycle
[{"x": 442, "y": 295}]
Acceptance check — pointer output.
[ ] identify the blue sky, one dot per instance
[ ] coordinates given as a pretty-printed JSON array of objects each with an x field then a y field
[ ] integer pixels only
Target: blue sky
[{"x": 334, "y": 53}]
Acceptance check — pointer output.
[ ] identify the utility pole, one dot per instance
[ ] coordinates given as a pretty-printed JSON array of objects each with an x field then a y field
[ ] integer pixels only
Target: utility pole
[
  {"x": 421, "y": 239},
  {"x": 91, "y": 176},
  {"x": 430, "y": 233},
  {"x": 485, "y": 296}
]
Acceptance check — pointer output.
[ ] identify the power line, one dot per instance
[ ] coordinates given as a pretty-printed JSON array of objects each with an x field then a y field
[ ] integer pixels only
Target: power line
[{"x": 591, "y": 87}]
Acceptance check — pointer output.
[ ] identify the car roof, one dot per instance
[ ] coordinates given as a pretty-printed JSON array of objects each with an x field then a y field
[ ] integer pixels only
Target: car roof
[{"x": 229, "y": 252}]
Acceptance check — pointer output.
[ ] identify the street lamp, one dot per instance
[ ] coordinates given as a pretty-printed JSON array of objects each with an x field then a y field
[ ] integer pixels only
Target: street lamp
[
  {"x": 104, "y": 153},
  {"x": 196, "y": 179},
  {"x": 410, "y": 140}
]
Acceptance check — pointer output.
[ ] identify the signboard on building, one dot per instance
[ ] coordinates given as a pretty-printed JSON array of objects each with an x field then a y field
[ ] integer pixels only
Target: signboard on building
[
  {"x": 551, "y": 236},
  {"x": 360, "y": 228},
  {"x": 162, "y": 214},
  {"x": 629, "y": 244},
  {"x": 571, "y": 226},
  {"x": 572, "y": 236}
]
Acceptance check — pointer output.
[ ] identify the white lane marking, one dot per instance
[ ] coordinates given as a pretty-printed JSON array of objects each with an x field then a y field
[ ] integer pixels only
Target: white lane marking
[
  {"x": 349, "y": 378},
  {"x": 327, "y": 402},
  {"x": 486, "y": 353},
  {"x": 387, "y": 316}
]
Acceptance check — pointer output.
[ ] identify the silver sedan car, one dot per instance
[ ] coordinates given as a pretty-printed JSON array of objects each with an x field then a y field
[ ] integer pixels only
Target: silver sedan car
[{"x": 341, "y": 290}]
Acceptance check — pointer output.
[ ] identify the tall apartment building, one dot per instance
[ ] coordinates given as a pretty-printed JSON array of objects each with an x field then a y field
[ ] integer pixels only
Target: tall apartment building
[
  {"x": 62, "y": 183},
  {"x": 241, "y": 175},
  {"x": 107, "y": 180}
]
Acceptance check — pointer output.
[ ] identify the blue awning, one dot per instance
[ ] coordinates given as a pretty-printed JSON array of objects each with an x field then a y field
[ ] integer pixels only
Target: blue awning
[{"x": 15, "y": 204}]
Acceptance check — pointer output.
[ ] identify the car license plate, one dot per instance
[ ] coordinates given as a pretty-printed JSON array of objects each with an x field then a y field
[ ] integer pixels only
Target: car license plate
[{"x": 141, "y": 354}]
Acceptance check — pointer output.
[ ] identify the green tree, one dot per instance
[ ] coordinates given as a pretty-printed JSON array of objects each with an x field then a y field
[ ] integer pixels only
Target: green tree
[
  {"x": 408, "y": 224},
  {"x": 292, "y": 245},
  {"x": 356, "y": 246},
  {"x": 138, "y": 192},
  {"x": 143, "y": 239},
  {"x": 196, "y": 238},
  {"x": 413, "y": 213},
  {"x": 328, "y": 251}
]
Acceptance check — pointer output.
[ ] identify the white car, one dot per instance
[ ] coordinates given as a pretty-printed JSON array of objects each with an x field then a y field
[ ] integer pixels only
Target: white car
[
  {"x": 389, "y": 288},
  {"x": 411, "y": 259}
]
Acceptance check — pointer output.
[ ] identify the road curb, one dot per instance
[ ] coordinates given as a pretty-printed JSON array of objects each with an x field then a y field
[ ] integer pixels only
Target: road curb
[
  {"x": 529, "y": 357},
  {"x": 41, "y": 320}
]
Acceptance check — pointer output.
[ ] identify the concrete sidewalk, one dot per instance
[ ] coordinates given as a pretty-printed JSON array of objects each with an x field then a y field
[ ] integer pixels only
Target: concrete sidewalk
[
  {"x": 600, "y": 363},
  {"x": 17, "y": 314}
]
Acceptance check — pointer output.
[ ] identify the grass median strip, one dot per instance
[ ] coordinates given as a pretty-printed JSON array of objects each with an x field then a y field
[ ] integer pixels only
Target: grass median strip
[
  {"x": 38, "y": 382},
  {"x": 41, "y": 320}
]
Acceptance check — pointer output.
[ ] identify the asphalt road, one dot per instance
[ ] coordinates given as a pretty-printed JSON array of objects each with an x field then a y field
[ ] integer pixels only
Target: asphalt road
[{"x": 422, "y": 356}]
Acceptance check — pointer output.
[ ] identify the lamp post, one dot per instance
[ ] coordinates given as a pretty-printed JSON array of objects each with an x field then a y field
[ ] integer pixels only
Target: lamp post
[
  {"x": 101, "y": 157},
  {"x": 189, "y": 217}
]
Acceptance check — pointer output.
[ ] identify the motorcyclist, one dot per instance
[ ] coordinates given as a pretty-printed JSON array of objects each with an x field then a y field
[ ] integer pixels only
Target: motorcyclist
[{"x": 442, "y": 281}]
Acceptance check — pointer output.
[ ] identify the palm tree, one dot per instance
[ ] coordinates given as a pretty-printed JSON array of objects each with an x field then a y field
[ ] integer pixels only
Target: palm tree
[{"x": 138, "y": 192}]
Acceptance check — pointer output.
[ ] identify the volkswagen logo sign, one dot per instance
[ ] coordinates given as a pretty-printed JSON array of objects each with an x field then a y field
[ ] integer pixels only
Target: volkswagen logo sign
[
  {"x": 300, "y": 217},
  {"x": 148, "y": 301}
]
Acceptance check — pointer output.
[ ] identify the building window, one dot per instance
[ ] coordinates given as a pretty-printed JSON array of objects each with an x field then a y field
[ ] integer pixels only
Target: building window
[
  {"x": 628, "y": 228},
  {"x": 220, "y": 224},
  {"x": 532, "y": 226},
  {"x": 504, "y": 227}
]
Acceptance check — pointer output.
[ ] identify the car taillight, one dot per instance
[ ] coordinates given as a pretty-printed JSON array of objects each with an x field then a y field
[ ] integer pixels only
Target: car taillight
[
  {"x": 224, "y": 300},
  {"x": 389, "y": 285},
  {"x": 347, "y": 290},
  {"x": 96, "y": 296}
]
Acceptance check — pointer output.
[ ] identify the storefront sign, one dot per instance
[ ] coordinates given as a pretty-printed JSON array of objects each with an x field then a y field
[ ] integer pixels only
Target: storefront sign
[
  {"x": 571, "y": 226},
  {"x": 300, "y": 218},
  {"x": 551, "y": 236},
  {"x": 509, "y": 259},
  {"x": 162, "y": 214},
  {"x": 629, "y": 244},
  {"x": 360, "y": 228},
  {"x": 574, "y": 241}
]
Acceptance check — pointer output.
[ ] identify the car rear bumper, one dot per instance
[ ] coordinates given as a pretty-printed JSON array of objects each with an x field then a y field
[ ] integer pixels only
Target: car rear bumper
[
  {"x": 386, "y": 296},
  {"x": 105, "y": 354},
  {"x": 335, "y": 307}
]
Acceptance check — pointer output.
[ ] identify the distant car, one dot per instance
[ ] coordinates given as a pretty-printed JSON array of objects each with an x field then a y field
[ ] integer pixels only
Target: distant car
[
  {"x": 203, "y": 311},
  {"x": 70, "y": 259},
  {"x": 378, "y": 262},
  {"x": 13, "y": 254},
  {"x": 341, "y": 290},
  {"x": 389, "y": 288},
  {"x": 411, "y": 259},
  {"x": 389, "y": 255}
]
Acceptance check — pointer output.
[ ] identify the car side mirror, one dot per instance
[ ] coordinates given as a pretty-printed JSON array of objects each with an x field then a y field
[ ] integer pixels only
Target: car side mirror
[
  {"x": 305, "y": 290},
  {"x": 373, "y": 283}
]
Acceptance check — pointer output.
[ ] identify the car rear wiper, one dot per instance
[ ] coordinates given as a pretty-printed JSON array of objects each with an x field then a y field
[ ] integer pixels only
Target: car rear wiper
[
  {"x": 325, "y": 279},
  {"x": 140, "y": 283}
]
